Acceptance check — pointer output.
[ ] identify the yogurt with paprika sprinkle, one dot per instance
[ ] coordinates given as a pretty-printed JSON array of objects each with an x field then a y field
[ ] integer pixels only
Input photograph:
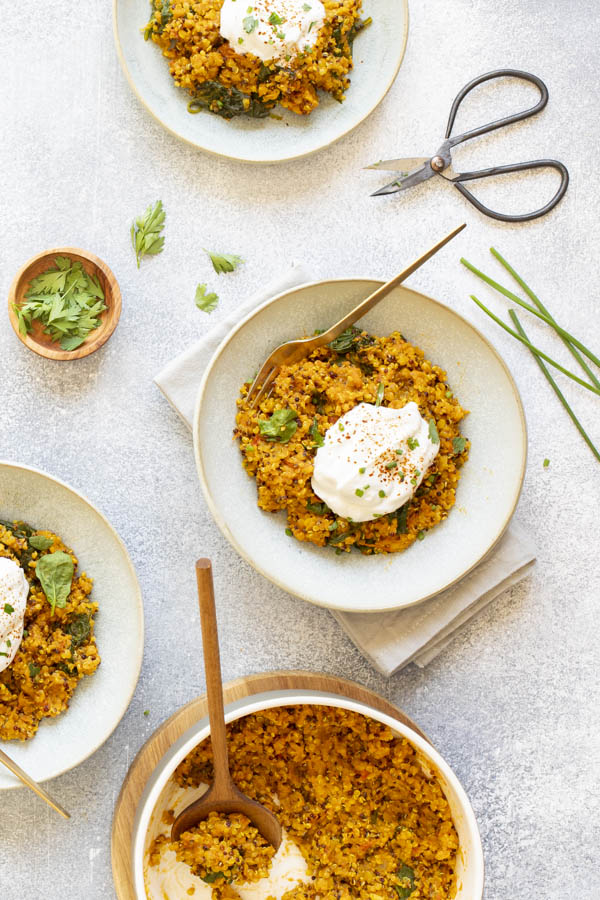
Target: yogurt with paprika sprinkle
[
  {"x": 272, "y": 29},
  {"x": 373, "y": 459}
]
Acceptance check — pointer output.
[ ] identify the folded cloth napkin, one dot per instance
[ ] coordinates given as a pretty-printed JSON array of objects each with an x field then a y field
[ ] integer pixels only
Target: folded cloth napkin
[{"x": 389, "y": 640}]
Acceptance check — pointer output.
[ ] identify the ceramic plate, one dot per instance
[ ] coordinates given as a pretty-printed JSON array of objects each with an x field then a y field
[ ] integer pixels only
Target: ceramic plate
[
  {"x": 488, "y": 489},
  {"x": 100, "y": 701},
  {"x": 378, "y": 54}
]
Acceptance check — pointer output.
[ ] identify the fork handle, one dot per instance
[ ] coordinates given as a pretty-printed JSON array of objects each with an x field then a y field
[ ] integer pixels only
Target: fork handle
[{"x": 367, "y": 305}]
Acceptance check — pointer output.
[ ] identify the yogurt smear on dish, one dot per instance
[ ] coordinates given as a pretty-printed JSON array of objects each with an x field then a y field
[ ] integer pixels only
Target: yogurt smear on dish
[
  {"x": 272, "y": 29},
  {"x": 13, "y": 601},
  {"x": 373, "y": 459}
]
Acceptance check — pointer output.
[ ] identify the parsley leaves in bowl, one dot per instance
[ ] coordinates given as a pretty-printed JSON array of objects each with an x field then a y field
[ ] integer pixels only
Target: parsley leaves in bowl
[{"x": 64, "y": 304}]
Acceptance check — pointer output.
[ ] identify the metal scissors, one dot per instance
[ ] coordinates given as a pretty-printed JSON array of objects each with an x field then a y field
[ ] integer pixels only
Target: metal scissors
[{"x": 414, "y": 171}]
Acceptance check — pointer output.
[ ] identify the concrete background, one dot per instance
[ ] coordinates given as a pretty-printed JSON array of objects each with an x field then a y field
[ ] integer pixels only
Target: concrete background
[{"x": 514, "y": 702}]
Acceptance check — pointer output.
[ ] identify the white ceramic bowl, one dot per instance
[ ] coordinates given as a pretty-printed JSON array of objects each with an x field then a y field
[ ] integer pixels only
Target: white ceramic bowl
[
  {"x": 379, "y": 51},
  {"x": 490, "y": 481},
  {"x": 470, "y": 864},
  {"x": 100, "y": 701}
]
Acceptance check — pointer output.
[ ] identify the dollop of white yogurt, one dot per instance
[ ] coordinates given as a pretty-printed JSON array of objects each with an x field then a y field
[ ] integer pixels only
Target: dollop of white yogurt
[
  {"x": 13, "y": 601},
  {"x": 373, "y": 459},
  {"x": 272, "y": 29}
]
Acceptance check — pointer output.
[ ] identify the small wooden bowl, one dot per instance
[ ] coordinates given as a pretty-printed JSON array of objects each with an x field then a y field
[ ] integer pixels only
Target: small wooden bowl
[{"x": 39, "y": 342}]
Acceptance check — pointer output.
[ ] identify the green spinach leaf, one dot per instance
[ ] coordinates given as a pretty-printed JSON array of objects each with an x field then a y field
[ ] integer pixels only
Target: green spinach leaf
[
  {"x": 79, "y": 628},
  {"x": 406, "y": 878},
  {"x": 40, "y": 542},
  {"x": 55, "y": 573}
]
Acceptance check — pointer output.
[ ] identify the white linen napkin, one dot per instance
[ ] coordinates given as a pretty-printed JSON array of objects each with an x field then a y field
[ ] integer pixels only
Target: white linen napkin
[{"x": 389, "y": 640}]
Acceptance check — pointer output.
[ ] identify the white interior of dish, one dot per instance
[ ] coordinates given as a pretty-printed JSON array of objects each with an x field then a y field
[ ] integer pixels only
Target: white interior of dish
[
  {"x": 490, "y": 481},
  {"x": 470, "y": 867},
  {"x": 100, "y": 701},
  {"x": 378, "y": 54}
]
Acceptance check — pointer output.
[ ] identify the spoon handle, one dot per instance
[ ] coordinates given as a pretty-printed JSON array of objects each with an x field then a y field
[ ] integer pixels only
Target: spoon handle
[
  {"x": 212, "y": 669},
  {"x": 33, "y": 785}
]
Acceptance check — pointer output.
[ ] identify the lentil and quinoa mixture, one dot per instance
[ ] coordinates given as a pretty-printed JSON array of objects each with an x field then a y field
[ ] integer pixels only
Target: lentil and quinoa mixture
[
  {"x": 310, "y": 396},
  {"x": 229, "y": 83},
  {"x": 58, "y": 647},
  {"x": 369, "y": 821}
]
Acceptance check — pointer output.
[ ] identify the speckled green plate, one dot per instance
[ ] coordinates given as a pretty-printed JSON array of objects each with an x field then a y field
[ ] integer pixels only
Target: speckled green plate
[
  {"x": 99, "y": 702},
  {"x": 490, "y": 482},
  {"x": 379, "y": 51}
]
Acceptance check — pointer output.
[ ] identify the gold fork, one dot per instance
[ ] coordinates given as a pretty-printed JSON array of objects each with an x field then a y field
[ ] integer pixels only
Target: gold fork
[
  {"x": 31, "y": 784},
  {"x": 293, "y": 351}
]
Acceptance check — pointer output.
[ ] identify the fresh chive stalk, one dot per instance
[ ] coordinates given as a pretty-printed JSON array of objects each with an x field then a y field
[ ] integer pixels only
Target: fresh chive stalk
[
  {"x": 568, "y": 344},
  {"x": 535, "y": 350},
  {"x": 567, "y": 338},
  {"x": 556, "y": 389}
]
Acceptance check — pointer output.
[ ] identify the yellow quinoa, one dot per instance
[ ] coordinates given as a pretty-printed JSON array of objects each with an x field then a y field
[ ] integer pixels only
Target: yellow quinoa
[
  {"x": 225, "y": 848},
  {"x": 58, "y": 648},
  {"x": 319, "y": 390},
  {"x": 229, "y": 83},
  {"x": 368, "y": 820}
]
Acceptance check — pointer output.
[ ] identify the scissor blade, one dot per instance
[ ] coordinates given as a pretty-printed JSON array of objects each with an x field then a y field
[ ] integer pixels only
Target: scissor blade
[
  {"x": 399, "y": 165},
  {"x": 403, "y": 183}
]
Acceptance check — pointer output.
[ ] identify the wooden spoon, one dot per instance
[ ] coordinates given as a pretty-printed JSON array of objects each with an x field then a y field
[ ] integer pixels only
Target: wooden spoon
[{"x": 222, "y": 796}]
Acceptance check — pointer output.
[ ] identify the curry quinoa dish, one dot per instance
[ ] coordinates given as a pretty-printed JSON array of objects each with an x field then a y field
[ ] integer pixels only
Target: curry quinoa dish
[
  {"x": 281, "y": 438},
  {"x": 242, "y": 59},
  {"x": 58, "y": 647},
  {"x": 368, "y": 818}
]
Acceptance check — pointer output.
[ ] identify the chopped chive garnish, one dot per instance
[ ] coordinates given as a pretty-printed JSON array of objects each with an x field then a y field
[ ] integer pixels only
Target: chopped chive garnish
[
  {"x": 362, "y": 470},
  {"x": 421, "y": 536},
  {"x": 289, "y": 532},
  {"x": 449, "y": 394},
  {"x": 412, "y": 443},
  {"x": 382, "y": 494},
  {"x": 391, "y": 465},
  {"x": 358, "y": 492},
  {"x": 380, "y": 393},
  {"x": 546, "y": 464}
]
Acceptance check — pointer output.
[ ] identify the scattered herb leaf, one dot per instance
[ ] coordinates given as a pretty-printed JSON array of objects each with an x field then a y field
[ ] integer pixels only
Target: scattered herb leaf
[
  {"x": 146, "y": 238},
  {"x": 434, "y": 436},
  {"x": 459, "y": 443},
  {"x": 207, "y": 302},
  {"x": 226, "y": 262},
  {"x": 8, "y": 609},
  {"x": 380, "y": 394},
  {"x": 250, "y": 23},
  {"x": 34, "y": 671},
  {"x": 546, "y": 463},
  {"x": 280, "y": 427},
  {"x": 316, "y": 434}
]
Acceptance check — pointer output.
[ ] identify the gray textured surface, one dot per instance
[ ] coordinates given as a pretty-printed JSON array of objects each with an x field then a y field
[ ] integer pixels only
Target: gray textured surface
[{"x": 513, "y": 703}]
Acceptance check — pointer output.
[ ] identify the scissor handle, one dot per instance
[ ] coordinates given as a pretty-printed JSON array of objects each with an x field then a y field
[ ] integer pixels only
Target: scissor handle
[
  {"x": 515, "y": 167},
  {"x": 499, "y": 123}
]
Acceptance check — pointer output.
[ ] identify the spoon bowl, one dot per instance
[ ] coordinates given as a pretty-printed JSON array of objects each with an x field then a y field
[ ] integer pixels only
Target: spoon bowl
[{"x": 222, "y": 796}]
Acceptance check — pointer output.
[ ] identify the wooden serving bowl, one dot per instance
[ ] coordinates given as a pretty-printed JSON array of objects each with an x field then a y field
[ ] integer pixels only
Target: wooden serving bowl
[{"x": 41, "y": 343}]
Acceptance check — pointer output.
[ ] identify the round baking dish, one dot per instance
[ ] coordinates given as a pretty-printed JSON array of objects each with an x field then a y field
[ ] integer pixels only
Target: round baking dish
[{"x": 470, "y": 864}]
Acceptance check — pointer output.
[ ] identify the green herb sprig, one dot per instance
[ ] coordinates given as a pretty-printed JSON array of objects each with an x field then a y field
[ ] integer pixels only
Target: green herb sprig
[
  {"x": 577, "y": 349},
  {"x": 146, "y": 237},
  {"x": 207, "y": 302},
  {"x": 66, "y": 300},
  {"x": 225, "y": 262},
  {"x": 280, "y": 427}
]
